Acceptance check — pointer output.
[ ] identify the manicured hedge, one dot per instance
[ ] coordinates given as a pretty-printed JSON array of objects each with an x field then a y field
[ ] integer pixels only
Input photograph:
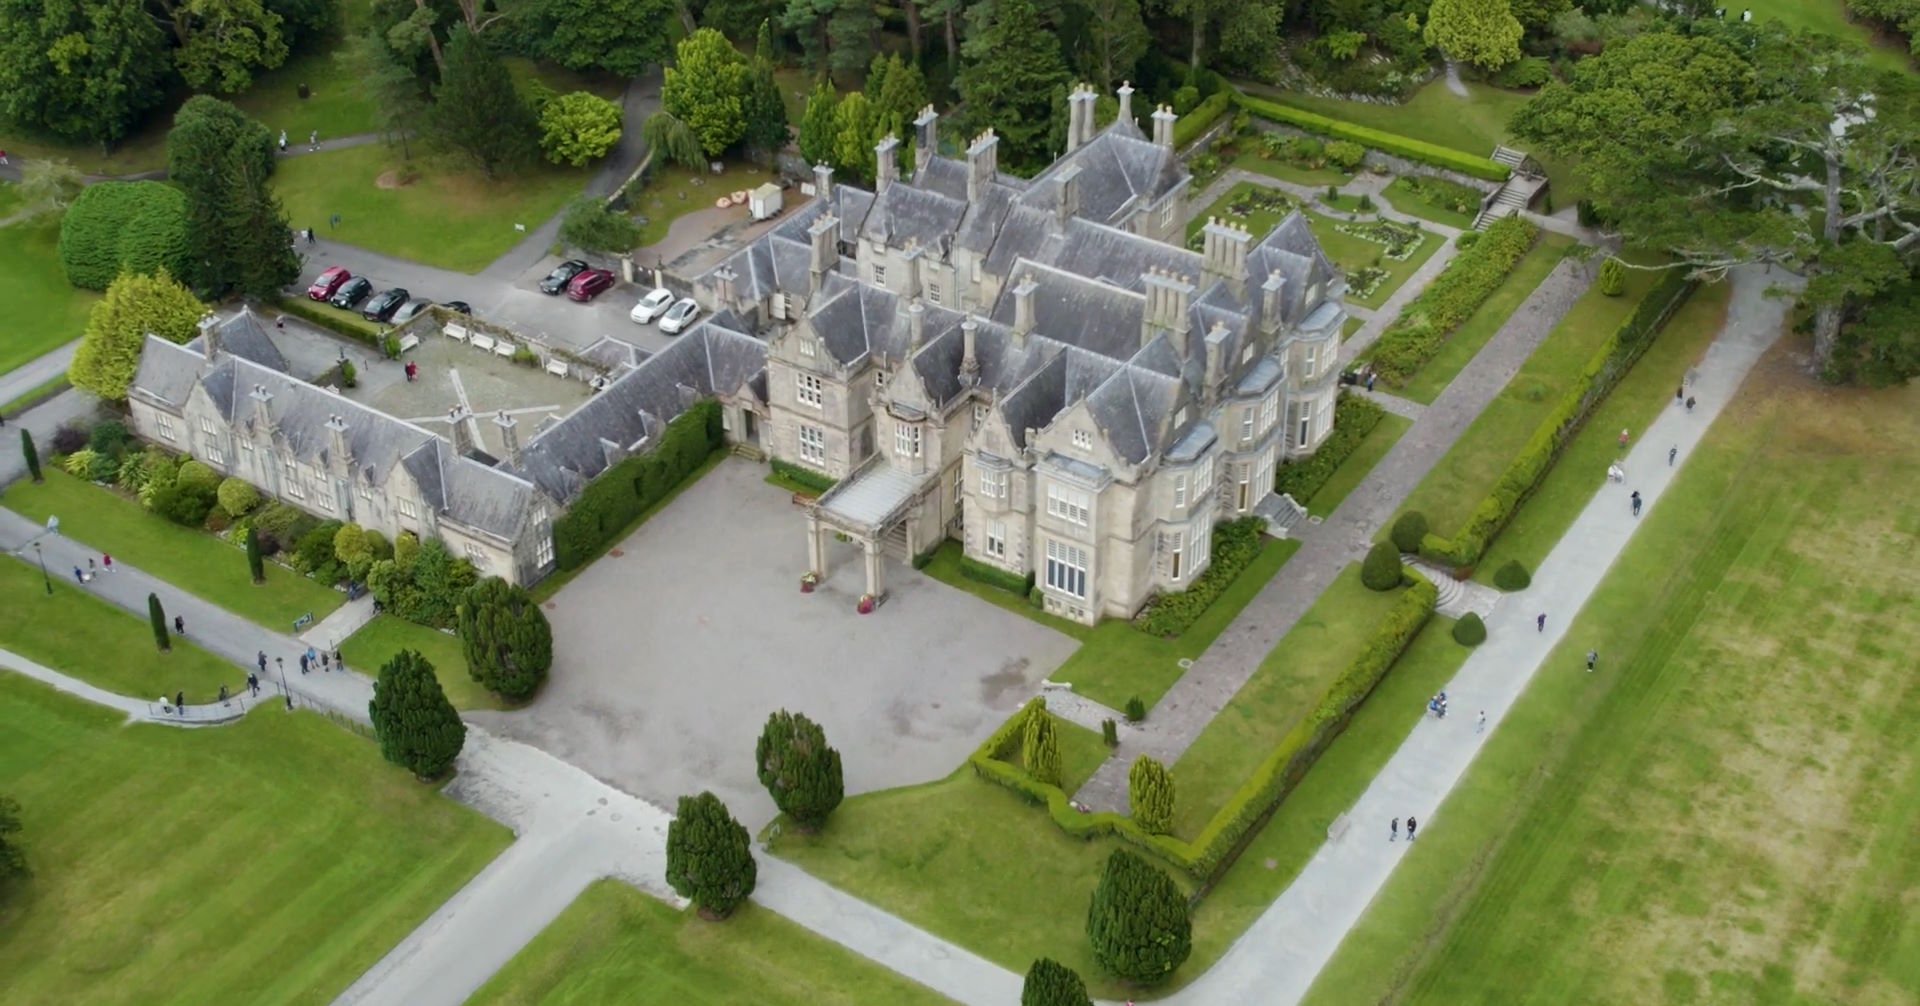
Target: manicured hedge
[
  {"x": 117, "y": 227},
  {"x": 1452, "y": 297},
  {"x": 1215, "y": 848},
  {"x": 800, "y": 475},
  {"x": 1609, "y": 364},
  {"x": 1353, "y": 418},
  {"x": 1235, "y": 544},
  {"x": 1391, "y": 143},
  {"x": 618, "y": 496},
  {"x": 313, "y": 313},
  {"x": 1188, "y": 127},
  {"x": 994, "y": 576}
]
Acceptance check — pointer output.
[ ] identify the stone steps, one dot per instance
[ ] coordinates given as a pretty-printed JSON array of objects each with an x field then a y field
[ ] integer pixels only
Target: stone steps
[{"x": 1281, "y": 513}]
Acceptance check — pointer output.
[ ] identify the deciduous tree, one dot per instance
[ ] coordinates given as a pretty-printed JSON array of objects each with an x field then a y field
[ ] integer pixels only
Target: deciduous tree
[
  {"x": 48, "y": 187},
  {"x": 1482, "y": 32},
  {"x": 706, "y": 88},
  {"x": 477, "y": 113},
  {"x": 80, "y": 69},
  {"x": 579, "y": 127},
  {"x": 1051, "y": 983},
  {"x": 417, "y": 727},
  {"x": 798, "y": 769},
  {"x": 505, "y": 638},
  {"x": 1150, "y": 795},
  {"x": 666, "y": 133},
  {"x": 591, "y": 227},
  {"x": 621, "y": 37},
  {"x": 1040, "y": 747},
  {"x": 117, "y": 328},
  {"x": 1138, "y": 921},
  {"x": 709, "y": 858},
  {"x": 220, "y": 43},
  {"x": 1006, "y": 80}
]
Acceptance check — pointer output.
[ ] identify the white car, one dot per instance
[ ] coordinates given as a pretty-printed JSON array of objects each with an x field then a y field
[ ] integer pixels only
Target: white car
[
  {"x": 679, "y": 316},
  {"x": 652, "y": 306}
]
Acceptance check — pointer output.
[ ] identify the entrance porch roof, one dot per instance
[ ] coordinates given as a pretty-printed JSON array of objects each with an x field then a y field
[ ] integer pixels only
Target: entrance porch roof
[{"x": 871, "y": 498}]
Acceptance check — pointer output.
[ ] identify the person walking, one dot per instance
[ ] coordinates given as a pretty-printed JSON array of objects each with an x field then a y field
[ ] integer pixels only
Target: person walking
[
  {"x": 283, "y": 141},
  {"x": 90, "y": 566},
  {"x": 1540, "y": 622},
  {"x": 253, "y": 684},
  {"x": 313, "y": 140},
  {"x": 325, "y": 663},
  {"x": 79, "y": 577},
  {"x": 107, "y": 561},
  {"x": 1623, "y": 439},
  {"x": 338, "y": 660},
  {"x": 1592, "y": 655},
  {"x": 180, "y": 702},
  {"x": 303, "y": 663},
  {"x": 1636, "y": 502},
  {"x": 1393, "y": 831},
  {"x": 165, "y": 706},
  {"x": 1480, "y": 725},
  {"x": 179, "y": 625},
  {"x": 309, "y": 237},
  {"x": 1689, "y": 403},
  {"x": 263, "y": 661},
  {"x": 223, "y": 695},
  {"x": 3, "y": 156},
  {"x": 1411, "y": 824},
  {"x": 1679, "y": 394},
  {"x": 1672, "y": 453}
]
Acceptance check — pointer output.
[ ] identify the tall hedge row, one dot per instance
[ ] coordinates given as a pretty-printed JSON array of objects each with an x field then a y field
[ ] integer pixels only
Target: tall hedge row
[
  {"x": 618, "y": 496},
  {"x": 1391, "y": 143},
  {"x": 1603, "y": 371},
  {"x": 1190, "y": 126},
  {"x": 1466, "y": 283},
  {"x": 117, "y": 227},
  {"x": 1354, "y": 417}
]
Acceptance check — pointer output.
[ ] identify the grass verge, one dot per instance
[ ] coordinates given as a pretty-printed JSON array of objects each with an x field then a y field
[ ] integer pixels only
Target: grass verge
[
  {"x": 38, "y": 394},
  {"x": 43, "y": 313},
  {"x": 1347, "y": 477},
  {"x": 1407, "y": 201},
  {"x": 386, "y": 635},
  {"x": 673, "y": 192},
  {"x": 1466, "y": 341},
  {"x": 1319, "y": 178}
]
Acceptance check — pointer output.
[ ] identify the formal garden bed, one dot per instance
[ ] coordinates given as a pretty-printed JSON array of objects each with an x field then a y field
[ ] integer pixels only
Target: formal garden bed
[
  {"x": 1425, "y": 324},
  {"x": 1435, "y": 199},
  {"x": 1373, "y": 274}
]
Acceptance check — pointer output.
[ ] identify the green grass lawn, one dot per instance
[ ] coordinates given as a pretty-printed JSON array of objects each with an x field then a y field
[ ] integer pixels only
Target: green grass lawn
[
  {"x": 1319, "y": 178},
  {"x": 1406, "y": 201},
  {"x": 1081, "y": 752},
  {"x": 1286, "y": 686},
  {"x": 615, "y": 944},
  {"x": 9, "y": 198},
  {"x": 1830, "y": 16},
  {"x": 444, "y": 216},
  {"x": 1350, "y": 326},
  {"x": 1349, "y": 252},
  {"x": 42, "y": 311},
  {"x": 1633, "y": 404},
  {"x": 145, "y": 150},
  {"x": 1465, "y": 342},
  {"x": 1358, "y": 464},
  {"x": 1456, "y": 485},
  {"x": 192, "y": 560},
  {"x": 271, "y": 860},
  {"x": 1725, "y": 811},
  {"x": 386, "y": 635},
  {"x": 79, "y": 634},
  {"x": 673, "y": 191}
]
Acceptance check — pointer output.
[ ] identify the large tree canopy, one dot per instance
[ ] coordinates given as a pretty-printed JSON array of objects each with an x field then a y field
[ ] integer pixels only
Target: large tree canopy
[
  {"x": 476, "y": 111},
  {"x": 237, "y": 233},
  {"x": 1011, "y": 67},
  {"x": 222, "y": 42},
  {"x": 80, "y": 69},
  {"x": 1482, "y": 32},
  {"x": 707, "y": 88}
]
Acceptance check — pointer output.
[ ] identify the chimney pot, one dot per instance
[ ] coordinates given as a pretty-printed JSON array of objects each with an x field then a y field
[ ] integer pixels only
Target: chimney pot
[
  {"x": 1125, "y": 94},
  {"x": 886, "y": 162},
  {"x": 927, "y": 137}
]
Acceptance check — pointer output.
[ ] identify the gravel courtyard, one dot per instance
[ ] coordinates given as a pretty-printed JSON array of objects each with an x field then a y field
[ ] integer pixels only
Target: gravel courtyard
[{"x": 671, "y": 651}]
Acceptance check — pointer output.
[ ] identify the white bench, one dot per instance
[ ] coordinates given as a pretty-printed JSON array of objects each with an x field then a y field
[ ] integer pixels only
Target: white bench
[
  {"x": 484, "y": 343},
  {"x": 457, "y": 333},
  {"x": 503, "y": 348},
  {"x": 557, "y": 367},
  {"x": 408, "y": 341}
]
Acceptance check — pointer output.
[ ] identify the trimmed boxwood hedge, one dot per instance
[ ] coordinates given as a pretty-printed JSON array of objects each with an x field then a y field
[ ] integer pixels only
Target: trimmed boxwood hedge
[
  {"x": 1469, "y": 630},
  {"x": 1235, "y": 544},
  {"x": 1512, "y": 575},
  {"x": 619, "y": 495},
  {"x": 1353, "y": 418},
  {"x": 801, "y": 475},
  {"x": 117, "y": 227},
  {"x": 1188, "y": 127},
  {"x": 1220, "y": 841},
  {"x": 994, "y": 576},
  {"x": 1452, "y": 297},
  {"x": 1608, "y": 365},
  {"x": 1391, "y": 143}
]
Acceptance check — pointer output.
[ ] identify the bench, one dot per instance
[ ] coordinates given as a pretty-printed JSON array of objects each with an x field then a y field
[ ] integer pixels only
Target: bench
[
  {"x": 557, "y": 367},
  {"x": 408, "y": 341},
  {"x": 484, "y": 343},
  {"x": 303, "y": 621},
  {"x": 503, "y": 348},
  {"x": 457, "y": 333}
]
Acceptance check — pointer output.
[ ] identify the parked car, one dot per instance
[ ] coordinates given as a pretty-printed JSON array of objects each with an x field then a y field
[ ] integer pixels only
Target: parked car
[
  {"x": 382, "y": 307},
  {"x": 328, "y": 283},
  {"x": 589, "y": 284},
  {"x": 410, "y": 310},
  {"x": 562, "y": 275},
  {"x": 679, "y": 316},
  {"x": 652, "y": 306},
  {"x": 352, "y": 292},
  {"x": 458, "y": 306}
]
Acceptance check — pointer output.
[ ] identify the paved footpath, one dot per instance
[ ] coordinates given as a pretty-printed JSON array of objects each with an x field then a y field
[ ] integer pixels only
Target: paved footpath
[
  {"x": 1276, "y": 960},
  {"x": 35, "y": 372}
]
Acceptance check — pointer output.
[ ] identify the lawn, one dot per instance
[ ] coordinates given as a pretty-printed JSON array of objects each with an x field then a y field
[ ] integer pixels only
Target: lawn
[
  {"x": 1347, "y": 477},
  {"x": 1830, "y": 16},
  {"x": 1456, "y": 485},
  {"x": 442, "y": 216},
  {"x": 615, "y": 944},
  {"x": 1319, "y": 178},
  {"x": 1406, "y": 201},
  {"x": 77, "y": 633},
  {"x": 386, "y": 635},
  {"x": 672, "y": 192},
  {"x": 1115, "y": 661},
  {"x": 1465, "y": 342},
  {"x": 1633, "y": 404},
  {"x": 1081, "y": 753},
  {"x": 1350, "y": 326},
  {"x": 1349, "y": 252},
  {"x": 42, "y": 311},
  {"x": 1286, "y": 686},
  {"x": 192, "y": 560},
  {"x": 1725, "y": 811},
  {"x": 271, "y": 860}
]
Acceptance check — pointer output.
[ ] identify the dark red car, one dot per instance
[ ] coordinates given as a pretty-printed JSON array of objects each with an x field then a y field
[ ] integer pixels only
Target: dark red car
[
  {"x": 589, "y": 284},
  {"x": 328, "y": 283}
]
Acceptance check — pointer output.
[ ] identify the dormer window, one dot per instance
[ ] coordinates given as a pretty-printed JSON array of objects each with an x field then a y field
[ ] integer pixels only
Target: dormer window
[
  {"x": 906, "y": 440},
  {"x": 1246, "y": 354},
  {"x": 979, "y": 415},
  {"x": 1083, "y": 440}
]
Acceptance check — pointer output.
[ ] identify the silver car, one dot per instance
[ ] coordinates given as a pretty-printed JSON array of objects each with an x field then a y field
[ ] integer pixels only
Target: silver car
[
  {"x": 411, "y": 310},
  {"x": 679, "y": 316}
]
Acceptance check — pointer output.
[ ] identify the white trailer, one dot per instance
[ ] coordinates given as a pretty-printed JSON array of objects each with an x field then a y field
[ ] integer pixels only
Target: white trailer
[{"x": 764, "y": 202}]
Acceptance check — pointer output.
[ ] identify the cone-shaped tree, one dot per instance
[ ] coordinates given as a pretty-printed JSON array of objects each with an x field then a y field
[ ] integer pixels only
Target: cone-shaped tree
[
  {"x": 1138, "y": 921},
  {"x": 1150, "y": 794},
  {"x": 1051, "y": 983},
  {"x": 709, "y": 859},
  {"x": 159, "y": 619},
  {"x": 418, "y": 728},
  {"x": 799, "y": 769},
  {"x": 32, "y": 456},
  {"x": 255, "y": 564},
  {"x": 505, "y": 637},
  {"x": 1040, "y": 747}
]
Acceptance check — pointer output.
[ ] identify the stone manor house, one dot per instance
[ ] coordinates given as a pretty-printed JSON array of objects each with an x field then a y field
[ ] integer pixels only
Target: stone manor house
[{"x": 1035, "y": 367}]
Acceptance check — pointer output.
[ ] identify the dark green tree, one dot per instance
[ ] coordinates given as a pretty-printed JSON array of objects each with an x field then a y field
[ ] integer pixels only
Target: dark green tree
[
  {"x": 898, "y": 91},
  {"x": 709, "y": 857},
  {"x": 220, "y": 43},
  {"x": 621, "y": 37},
  {"x": 387, "y": 83},
  {"x": 798, "y": 768},
  {"x": 1381, "y": 568},
  {"x": 158, "y": 618},
  {"x": 739, "y": 18},
  {"x": 505, "y": 638},
  {"x": 477, "y": 113},
  {"x": 1138, "y": 921},
  {"x": 816, "y": 124},
  {"x": 80, "y": 69},
  {"x": 591, "y": 227},
  {"x": 1409, "y": 531},
  {"x": 765, "y": 111},
  {"x": 663, "y": 131},
  {"x": 256, "y": 566},
  {"x": 237, "y": 234},
  {"x": 1051, "y": 983},
  {"x": 1116, "y": 39},
  {"x": 13, "y": 858},
  {"x": 32, "y": 456},
  {"x": 1470, "y": 630},
  {"x": 120, "y": 227},
  {"x": 417, "y": 727},
  {"x": 1006, "y": 81}
]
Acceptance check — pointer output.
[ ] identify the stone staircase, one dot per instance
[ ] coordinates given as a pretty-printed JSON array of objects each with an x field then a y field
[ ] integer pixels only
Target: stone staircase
[
  {"x": 1515, "y": 194},
  {"x": 1456, "y": 597},
  {"x": 1281, "y": 513}
]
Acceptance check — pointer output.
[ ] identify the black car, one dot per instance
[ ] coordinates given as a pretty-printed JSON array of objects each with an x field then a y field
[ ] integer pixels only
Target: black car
[
  {"x": 382, "y": 307},
  {"x": 458, "y": 305},
  {"x": 562, "y": 274},
  {"x": 353, "y": 292}
]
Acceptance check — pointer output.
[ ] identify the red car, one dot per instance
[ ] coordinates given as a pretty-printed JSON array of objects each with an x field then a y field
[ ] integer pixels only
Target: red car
[
  {"x": 328, "y": 283},
  {"x": 589, "y": 284}
]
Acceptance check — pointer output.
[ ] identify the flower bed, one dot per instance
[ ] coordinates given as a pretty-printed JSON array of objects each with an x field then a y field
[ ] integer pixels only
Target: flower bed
[{"x": 1402, "y": 240}]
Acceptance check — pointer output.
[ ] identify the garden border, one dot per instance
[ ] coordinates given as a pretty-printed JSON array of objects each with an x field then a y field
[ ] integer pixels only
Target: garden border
[{"x": 1391, "y": 143}]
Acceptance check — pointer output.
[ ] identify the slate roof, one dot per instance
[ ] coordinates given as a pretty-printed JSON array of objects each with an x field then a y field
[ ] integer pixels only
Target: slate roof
[{"x": 245, "y": 336}]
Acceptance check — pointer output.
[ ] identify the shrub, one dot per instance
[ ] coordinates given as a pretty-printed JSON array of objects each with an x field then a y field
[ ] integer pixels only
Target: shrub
[
  {"x": 1409, "y": 531},
  {"x": 618, "y": 496},
  {"x": 1185, "y": 99},
  {"x": 1453, "y": 296},
  {"x": 709, "y": 858},
  {"x": 417, "y": 727},
  {"x": 1399, "y": 146},
  {"x": 799, "y": 770},
  {"x": 1469, "y": 630},
  {"x": 1527, "y": 71},
  {"x": 161, "y": 469},
  {"x": 103, "y": 468},
  {"x": 1466, "y": 240},
  {"x": 503, "y": 634},
  {"x": 199, "y": 475},
  {"x": 1440, "y": 192},
  {"x": 334, "y": 321},
  {"x": 1382, "y": 569},
  {"x": 68, "y": 439},
  {"x": 1138, "y": 921},
  {"x": 1354, "y": 417},
  {"x": 1040, "y": 747},
  {"x": 182, "y": 503},
  {"x": 1110, "y": 732},
  {"x": 237, "y": 497},
  {"x": 1235, "y": 545},
  {"x": 116, "y": 227},
  {"x": 1613, "y": 278},
  {"x": 281, "y": 526},
  {"x": 1201, "y": 118},
  {"x": 109, "y": 436},
  {"x": 1345, "y": 155},
  {"x": 79, "y": 461},
  {"x": 1150, "y": 795},
  {"x": 1136, "y": 709},
  {"x": 1511, "y": 576},
  {"x": 1366, "y": 204},
  {"x": 13, "y": 868},
  {"x": 1586, "y": 214},
  {"x": 315, "y": 548},
  {"x": 1050, "y": 983},
  {"x": 801, "y": 475},
  {"x": 422, "y": 583},
  {"x": 350, "y": 375}
]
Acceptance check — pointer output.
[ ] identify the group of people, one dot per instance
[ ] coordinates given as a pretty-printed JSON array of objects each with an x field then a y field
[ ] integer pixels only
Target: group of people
[
  {"x": 313, "y": 140},
  {"x": 81, "y": 576}
]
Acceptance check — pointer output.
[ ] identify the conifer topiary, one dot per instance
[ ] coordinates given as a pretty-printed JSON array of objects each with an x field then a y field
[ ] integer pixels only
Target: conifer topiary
[
  {"x": 709, "y": 858},
  {"x": 256, "y": 566},
  {"x": 417, "y": 727},
  {"x": 1469, "y": 630},
  {"x": 1613, "y": 278},
  {"x": 1150, "y": 795},
  {"x": 1512, "y": 575},
  {"x": 1040, "y": 747},
  {"x": 798, "y": 769},
  {"x": 1409, "y": 531},
  {"x": 159, "y": 619},
  {"x": 505, "y": 637},
  {"x": 1051, "y": 983},
  {"x": 1138, "y": 922},
  {"x": 1381, "y": 570}
]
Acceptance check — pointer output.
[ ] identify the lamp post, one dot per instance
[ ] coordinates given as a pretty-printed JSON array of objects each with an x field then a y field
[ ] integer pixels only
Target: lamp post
[
  {"x": 281, "y": 662},
  {"x": 44, "y": 578}
]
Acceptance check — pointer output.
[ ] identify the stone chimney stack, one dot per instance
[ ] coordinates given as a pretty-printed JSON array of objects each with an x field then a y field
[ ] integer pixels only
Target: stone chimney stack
[
  {"x": 1163, "y": 119},
  {"x": 723, "y": 288},
  {"x": 886, "y": 162},
  {"x": 1272, "y": 297},
  {"x": 926, "y": 133},
  {"x": 983, "y": 164},
  {"x": 338, "y": 451},
  {"x": 1224, "y": 254},
  {"x": 916, "y": 325},
  {"x": 969, "y": 362},
  {"x": 823, "y": 181},
  {"x": 1023, "y": 310},
  {"x": 1069, "y": 180},
  {"x": 1079, "y": 116},
  {"x": 509, "y": 436},
  {"x": 1216, "y": 373},
  {"x": 263, "y": 408},
  {"x": 823, "y": 236},
  {"x": 210, "y": 334},
  {"x": 1166, "y": 311},
  {"x": 458, "y": 417},
  {"x": 1125, "y": 94}
]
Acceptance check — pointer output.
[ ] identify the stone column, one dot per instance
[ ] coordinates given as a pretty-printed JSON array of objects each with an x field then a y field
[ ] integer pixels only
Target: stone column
[
  {"x": 816, "y": 547},
  {"x": 875, "y": 561}
]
